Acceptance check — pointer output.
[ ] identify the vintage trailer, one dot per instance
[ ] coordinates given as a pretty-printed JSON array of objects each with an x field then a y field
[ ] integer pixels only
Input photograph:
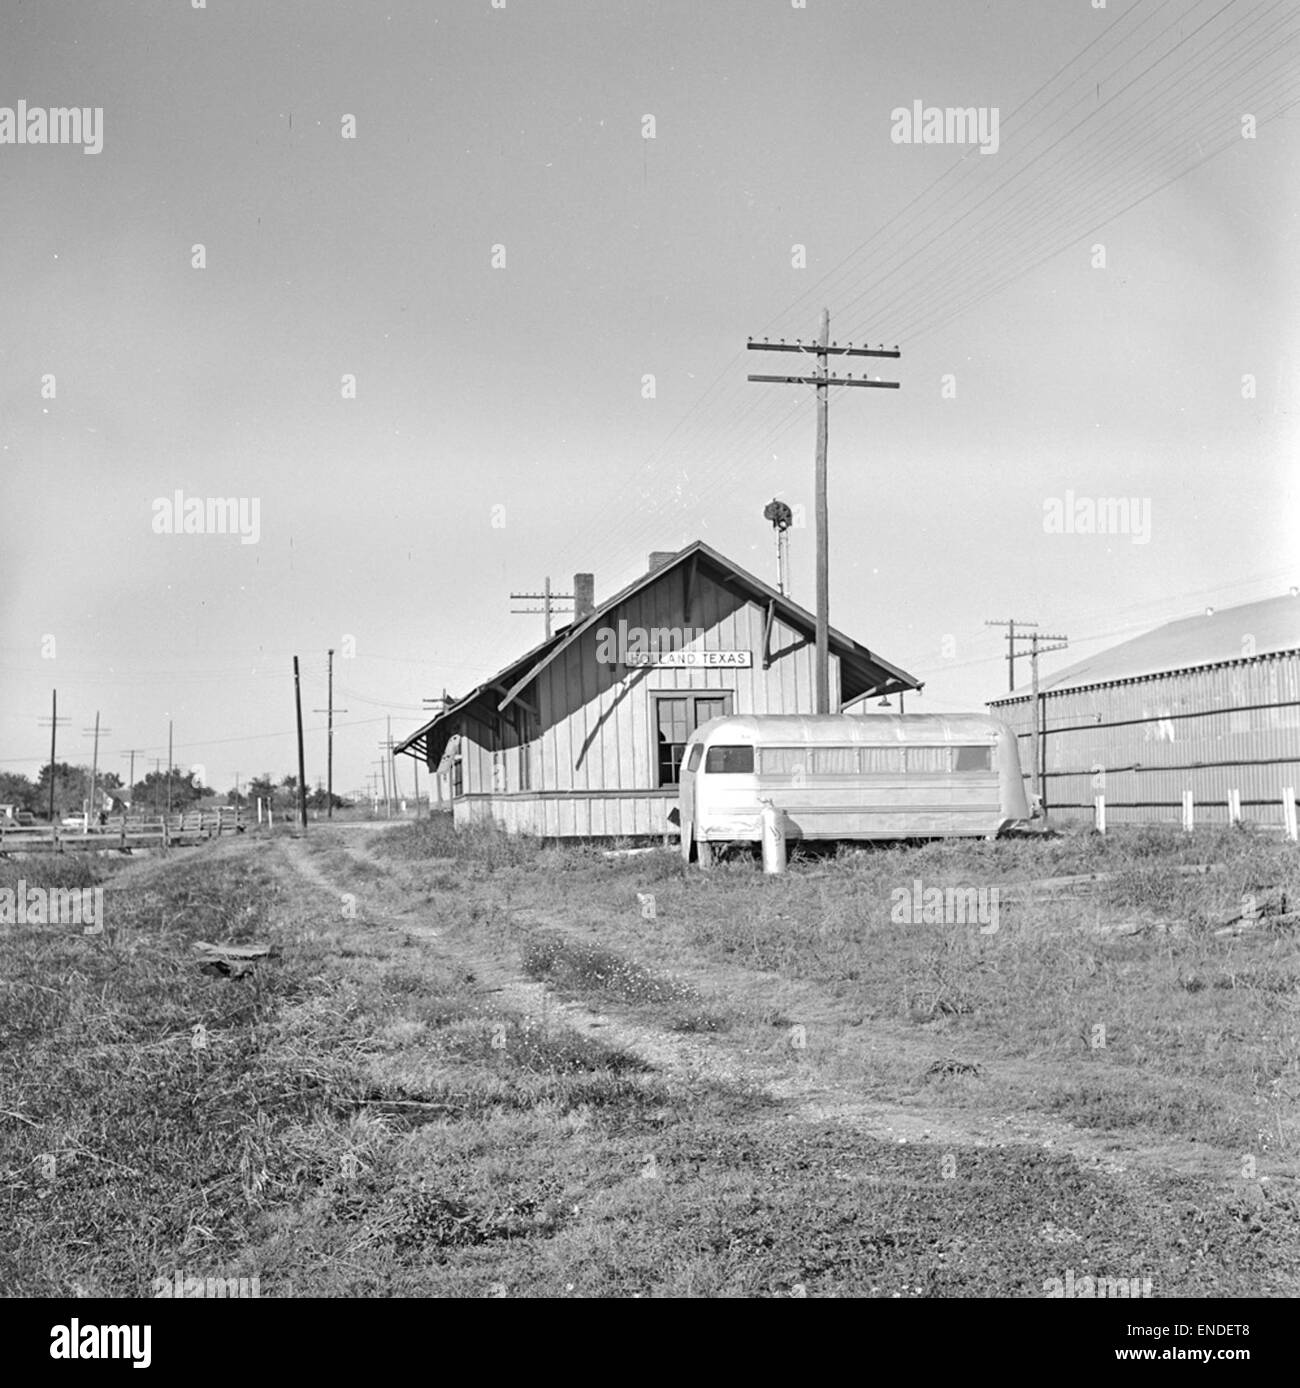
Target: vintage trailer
[{"x": 842, "y": 776}]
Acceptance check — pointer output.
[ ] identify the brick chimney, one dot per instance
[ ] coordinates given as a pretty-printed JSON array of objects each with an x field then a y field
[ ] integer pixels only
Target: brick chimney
[
  {"x": 584, "y": 596},
  {"x": 660, "y": 557}
]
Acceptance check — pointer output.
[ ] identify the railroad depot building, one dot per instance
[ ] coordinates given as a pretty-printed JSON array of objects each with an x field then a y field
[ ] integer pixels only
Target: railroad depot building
[
  {"x": 1208, "y": 704},
  {"x": 582, "y": 736}
]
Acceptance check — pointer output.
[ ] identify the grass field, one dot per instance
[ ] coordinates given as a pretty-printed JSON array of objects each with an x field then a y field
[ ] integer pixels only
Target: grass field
[{"x": 480, "y": 1066}]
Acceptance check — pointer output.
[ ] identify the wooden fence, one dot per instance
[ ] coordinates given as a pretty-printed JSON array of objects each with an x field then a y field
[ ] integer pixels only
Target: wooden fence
[{"x": 123, "y": 832}]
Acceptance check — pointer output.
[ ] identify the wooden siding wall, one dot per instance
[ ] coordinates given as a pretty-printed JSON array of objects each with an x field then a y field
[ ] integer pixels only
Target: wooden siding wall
[
  {"x": 596, "y": 732},
  {"x": 1233, "y": 727}
]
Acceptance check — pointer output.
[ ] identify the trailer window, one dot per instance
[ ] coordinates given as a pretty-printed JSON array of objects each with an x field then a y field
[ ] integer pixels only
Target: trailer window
[
  {"x": 835, "y": 761},
  {"x": 736, "y": 761},
  {"x": 927, "y": 760},
  {"x": 974, "y": 759},
  {"x": 877, "y": 760},
  {"x": 782, "y": 761},
  {"x": 693, "y": 761}
]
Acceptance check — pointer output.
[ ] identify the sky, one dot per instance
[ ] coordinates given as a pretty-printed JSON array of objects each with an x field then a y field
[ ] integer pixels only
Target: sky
[{"x": 454, "y": 297}]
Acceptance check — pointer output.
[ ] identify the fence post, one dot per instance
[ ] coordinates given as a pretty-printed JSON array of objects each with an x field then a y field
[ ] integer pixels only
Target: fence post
[
  {"x": 1234, "y": 807},
  {"x": 1288, "y": 812},
  {"x": 1189, "y": 811},
  {"x": 1099, "y": 813}
]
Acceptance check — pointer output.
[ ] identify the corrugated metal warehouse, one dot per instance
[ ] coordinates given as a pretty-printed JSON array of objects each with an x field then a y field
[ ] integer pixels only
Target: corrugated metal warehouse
[
  {"x": 1209, "y": 704},
  {"x": 583, "y": 735}
]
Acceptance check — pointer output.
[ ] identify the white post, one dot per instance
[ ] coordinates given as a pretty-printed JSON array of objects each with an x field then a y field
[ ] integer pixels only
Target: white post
[
  {"x": 774, "y": 859},
  {"x": 270, "y": 815},
  {"x": 1234, "y": 807},
  {"x": 1099, "y": 811},
  {"x": 1189, "y": 811},
  {"x": 1288, "y": 812},
  {"x": 259, "y": 809}
]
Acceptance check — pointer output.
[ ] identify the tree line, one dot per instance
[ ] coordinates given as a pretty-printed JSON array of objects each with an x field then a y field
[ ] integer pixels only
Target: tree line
[{"x": 150, "y": 794}]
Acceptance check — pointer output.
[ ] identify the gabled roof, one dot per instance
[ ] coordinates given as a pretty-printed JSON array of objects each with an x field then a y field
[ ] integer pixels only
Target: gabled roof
[
  {"x": 1219, "y": 637},
  {"x": 862, "y": 671}
]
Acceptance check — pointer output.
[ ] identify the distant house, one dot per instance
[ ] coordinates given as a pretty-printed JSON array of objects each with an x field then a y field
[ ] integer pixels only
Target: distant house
[
  {"x": 1209, "y": 704},
  {"x": 582, "y": 736}
]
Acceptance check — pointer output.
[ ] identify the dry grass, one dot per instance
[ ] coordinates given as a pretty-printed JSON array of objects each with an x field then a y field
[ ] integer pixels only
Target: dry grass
[{"x": 367, "y": 1118}]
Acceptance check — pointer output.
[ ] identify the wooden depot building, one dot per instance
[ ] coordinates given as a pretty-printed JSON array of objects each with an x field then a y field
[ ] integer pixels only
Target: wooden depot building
[{"x": 582, "y": 736}]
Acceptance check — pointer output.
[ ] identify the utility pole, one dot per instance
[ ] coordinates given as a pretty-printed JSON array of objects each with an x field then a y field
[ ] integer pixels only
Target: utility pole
[
  {"x": 392, "y": 763},
  {"x": 1039, "y": 773},
  {"x": 157, "y": 776},
  {"x": 131, "y": 752},
  {"x": 329, "y": 711},
  {"x": 382, "y": 764},
  {"x": 387, "y": 768},
  {"x": 94, "y": 763},
  {"x": 548, "y": 599},
  {"x": 302, "y": 765},
  {"x": 53, "y": 720},
  {"x": 823, "y": 380},
  {"x": 1012, "y": 637},
  {"x": 169, "y": 766}
]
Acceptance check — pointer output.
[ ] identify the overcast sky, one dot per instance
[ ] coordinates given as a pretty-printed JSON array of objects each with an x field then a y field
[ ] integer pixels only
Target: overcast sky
[{"x": 1104, "y": 305}]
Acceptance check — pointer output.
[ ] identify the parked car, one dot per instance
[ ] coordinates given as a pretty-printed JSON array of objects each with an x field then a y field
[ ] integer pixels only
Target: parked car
[{"x": 73, "y": 821}]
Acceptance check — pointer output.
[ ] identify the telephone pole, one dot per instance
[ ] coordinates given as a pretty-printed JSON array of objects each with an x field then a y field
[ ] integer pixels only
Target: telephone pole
[
  {"x": 392, "y": 761},
  {"x": 53, "y": 720},
  {"x": 548, "y": 599},
  {"x": 94, "y": 762},
  {"x": 329, "y": 755},
  {"x": 1039, "y": 772},
  {"x": 302, "y": 765},
  {"x": 823, "y": 380},
  {"x": 1012, "y": 637},
  {"x": 131, "y": 752},
  {"x": 169, "y": 766}
]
